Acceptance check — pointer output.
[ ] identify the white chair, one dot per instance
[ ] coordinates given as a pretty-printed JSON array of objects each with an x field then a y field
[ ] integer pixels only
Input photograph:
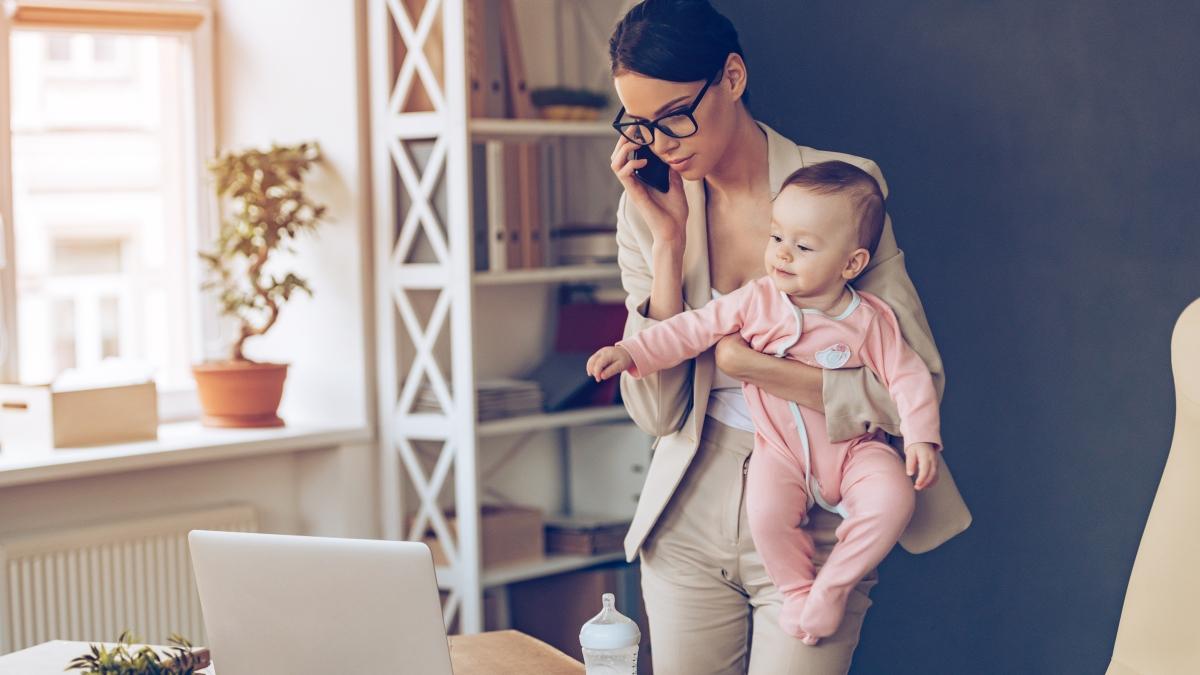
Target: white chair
[{"x": 1159, "y": 633}]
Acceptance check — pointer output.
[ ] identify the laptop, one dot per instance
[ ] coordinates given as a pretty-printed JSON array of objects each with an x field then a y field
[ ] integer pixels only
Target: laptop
[{"x": 285, "y": 604}]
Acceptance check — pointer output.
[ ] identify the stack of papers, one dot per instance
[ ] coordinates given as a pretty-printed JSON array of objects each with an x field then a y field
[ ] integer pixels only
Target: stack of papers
[{"x": 494, "y": 399}]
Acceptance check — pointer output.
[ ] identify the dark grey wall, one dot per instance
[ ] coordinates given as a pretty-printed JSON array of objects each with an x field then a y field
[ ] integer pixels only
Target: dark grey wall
[{"x": 1043, "y": 159}]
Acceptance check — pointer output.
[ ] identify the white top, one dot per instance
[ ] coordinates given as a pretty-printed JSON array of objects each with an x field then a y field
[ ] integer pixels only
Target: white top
[{"x": 726, "y": 403}]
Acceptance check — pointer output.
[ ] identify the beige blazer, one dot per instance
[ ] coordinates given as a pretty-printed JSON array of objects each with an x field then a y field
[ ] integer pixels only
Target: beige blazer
[
  {"x": 1157, "y": 633},
  {"x": 671, "y": 404}
]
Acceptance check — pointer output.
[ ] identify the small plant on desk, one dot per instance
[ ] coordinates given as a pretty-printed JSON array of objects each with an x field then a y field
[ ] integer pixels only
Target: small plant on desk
[{"x": 123, "y": 659}]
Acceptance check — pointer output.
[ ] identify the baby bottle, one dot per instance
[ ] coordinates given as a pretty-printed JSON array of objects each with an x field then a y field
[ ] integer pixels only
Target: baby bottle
[{"x": 610, "y": 642}]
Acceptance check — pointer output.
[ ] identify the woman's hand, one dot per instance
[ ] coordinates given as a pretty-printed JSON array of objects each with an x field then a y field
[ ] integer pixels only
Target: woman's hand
[
  {"x": 728, "y": 353},
  {"x": 609, "y": 361},
  {"x": 921, "y": 458},
  {"x": 665, "y": 213}
]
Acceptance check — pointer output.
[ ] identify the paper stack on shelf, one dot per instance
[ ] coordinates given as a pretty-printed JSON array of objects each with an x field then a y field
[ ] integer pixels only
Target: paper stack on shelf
[
  {"x": 584, "y": 244},
  {"x": 494, "y": 399}
]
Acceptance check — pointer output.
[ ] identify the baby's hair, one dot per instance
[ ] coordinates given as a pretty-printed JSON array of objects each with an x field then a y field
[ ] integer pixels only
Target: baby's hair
[{"x": 835, "y": 177}]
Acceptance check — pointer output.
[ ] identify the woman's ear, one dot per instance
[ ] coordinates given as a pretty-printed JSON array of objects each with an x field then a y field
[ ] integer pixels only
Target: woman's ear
[
  {"x": 734, "y": 76},
  {"x": 856, "y": 263}
]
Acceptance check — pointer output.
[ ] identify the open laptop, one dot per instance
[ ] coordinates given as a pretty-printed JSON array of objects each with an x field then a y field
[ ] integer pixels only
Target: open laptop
[{"x": 295, "y": 605}]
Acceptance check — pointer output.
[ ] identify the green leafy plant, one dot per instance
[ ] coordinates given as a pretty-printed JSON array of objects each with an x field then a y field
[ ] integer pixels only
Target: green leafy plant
[
  {"x": 268, "y": 210},
  {"x": 123, "y": 659},
  {"x": 586, "y": 98}
]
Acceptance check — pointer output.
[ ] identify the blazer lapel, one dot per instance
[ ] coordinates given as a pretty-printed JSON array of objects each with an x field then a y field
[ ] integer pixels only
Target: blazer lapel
[
  {"x": 783, "y": 157},
  {"x": 697, "y": 291}
]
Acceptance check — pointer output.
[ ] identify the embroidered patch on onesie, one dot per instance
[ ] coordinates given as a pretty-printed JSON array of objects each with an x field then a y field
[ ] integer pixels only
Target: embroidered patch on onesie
[{"x": 833, "y": 357}]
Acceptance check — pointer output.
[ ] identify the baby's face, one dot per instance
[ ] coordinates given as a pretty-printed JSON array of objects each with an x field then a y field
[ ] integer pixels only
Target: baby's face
[{"x": 812, "y": 237}]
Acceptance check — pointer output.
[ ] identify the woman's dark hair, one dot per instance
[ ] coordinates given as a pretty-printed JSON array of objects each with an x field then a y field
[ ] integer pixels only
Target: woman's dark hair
[{"x": 674, "y": 40}]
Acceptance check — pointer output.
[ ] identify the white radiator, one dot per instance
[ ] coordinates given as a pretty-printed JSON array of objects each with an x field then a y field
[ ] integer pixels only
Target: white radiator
[{"x": 91, "y": 583}]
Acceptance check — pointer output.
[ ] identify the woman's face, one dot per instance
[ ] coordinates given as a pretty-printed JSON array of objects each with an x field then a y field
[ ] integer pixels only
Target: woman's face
[{"x": 647, "y": 98}]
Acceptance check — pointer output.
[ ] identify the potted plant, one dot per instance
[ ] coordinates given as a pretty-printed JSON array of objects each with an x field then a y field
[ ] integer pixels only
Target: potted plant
[
  {"x": 267, "y": 209},
  {"x": 124, "y": 659}
]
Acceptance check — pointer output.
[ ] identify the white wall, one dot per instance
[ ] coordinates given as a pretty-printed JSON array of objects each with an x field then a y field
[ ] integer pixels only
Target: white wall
[
  {"x": 285, "y": 73},
  {"x": 314, "y": 492},
  {"x": 288, "y": 71}
]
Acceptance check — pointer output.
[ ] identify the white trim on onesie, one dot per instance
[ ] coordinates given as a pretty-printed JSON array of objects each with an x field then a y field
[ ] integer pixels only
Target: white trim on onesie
[{"x": 810, "y": 481}]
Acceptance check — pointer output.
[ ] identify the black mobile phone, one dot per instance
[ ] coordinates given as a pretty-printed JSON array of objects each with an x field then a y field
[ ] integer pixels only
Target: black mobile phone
[{"x": 655, "y": 173}]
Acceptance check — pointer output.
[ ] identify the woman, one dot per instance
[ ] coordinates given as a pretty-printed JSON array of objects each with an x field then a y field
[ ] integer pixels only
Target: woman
[{"x": 679, "y": 72}]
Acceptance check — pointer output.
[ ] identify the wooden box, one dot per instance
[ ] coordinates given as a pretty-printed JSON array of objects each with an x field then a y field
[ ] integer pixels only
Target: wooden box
[
  {"x": 508, "y": 534},
  {"x": 35, "y": 418},
  {"x": 585, "y": 535}
]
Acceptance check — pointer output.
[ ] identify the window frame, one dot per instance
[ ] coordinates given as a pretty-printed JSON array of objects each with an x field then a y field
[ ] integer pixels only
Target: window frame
[{"x": 191, "y": 21}]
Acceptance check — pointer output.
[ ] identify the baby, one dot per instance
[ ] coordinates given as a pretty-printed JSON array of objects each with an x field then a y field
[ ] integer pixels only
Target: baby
[{"x": 825, "y": 224}]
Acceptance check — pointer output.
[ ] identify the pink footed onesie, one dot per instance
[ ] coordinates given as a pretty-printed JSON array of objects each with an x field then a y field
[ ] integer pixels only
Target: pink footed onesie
[{"x": 794, "y": 464}]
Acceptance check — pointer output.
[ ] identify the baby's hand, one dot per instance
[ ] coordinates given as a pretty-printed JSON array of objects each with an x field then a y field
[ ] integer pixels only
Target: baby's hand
[
  {"x": 921, "y": 458},
  {"x": 609, "y": 361}
]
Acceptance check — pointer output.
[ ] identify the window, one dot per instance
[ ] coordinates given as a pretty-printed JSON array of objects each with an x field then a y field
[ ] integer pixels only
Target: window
[
  {"x": 108, "y": 133},
  {"x": 104, "y": 48},
  {"x": 58, "y": 48}
]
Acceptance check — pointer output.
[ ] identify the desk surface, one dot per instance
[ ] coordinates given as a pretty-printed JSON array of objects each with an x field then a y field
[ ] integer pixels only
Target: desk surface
[{"x": 506, "y": 652}]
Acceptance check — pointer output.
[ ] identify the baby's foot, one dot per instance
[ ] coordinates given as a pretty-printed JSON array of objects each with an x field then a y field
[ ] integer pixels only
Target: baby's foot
[
  {"x": 822, "y": 614},
  {"x": 789, "y": 618}
]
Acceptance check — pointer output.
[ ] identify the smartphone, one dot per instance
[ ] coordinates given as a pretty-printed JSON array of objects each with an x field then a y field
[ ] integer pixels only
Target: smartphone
[{"x": 655, "y": 173}]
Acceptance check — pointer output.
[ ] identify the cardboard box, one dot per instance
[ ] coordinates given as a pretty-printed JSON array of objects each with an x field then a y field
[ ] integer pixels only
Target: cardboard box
[
  {"x": 509, "y": 535},
  {"x": 37, "y": 418}
]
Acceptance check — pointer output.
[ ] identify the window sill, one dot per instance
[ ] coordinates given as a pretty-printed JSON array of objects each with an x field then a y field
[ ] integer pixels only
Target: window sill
[{"x": 177, "y": 444}]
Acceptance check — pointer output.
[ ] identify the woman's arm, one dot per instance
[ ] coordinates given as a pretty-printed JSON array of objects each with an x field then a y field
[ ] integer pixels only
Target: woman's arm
[
  {"x": 864, "y": 403},
  {"x": 785, "y": 378},
  {"x": 657, "y": 403}
]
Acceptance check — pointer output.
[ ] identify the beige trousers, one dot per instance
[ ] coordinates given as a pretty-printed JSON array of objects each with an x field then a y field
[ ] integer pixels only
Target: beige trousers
[{"x": 711, "y": 607}]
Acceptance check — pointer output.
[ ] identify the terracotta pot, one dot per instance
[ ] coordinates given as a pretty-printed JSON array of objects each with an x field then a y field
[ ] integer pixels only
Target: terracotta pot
[{"x": 240, "y": 393}]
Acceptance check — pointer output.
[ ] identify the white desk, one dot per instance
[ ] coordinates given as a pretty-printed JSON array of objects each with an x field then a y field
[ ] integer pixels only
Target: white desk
[
  {"x": 499, "y": 653},
  {"x": 50, "y": 657}
]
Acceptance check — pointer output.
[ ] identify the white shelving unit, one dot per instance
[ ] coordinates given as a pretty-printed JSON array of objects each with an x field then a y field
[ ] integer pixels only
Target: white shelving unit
[{"x": 406, "y": 197}]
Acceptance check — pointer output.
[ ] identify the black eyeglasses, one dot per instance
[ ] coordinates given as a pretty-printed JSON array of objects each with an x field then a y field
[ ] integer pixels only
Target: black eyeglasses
[{"x": 678, "y": 124}]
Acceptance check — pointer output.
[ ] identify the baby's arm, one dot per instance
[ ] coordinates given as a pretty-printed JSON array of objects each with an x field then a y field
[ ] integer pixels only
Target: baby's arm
[
  {"x": 855, "y": 399},
  {"x": 906, "y": 377},
  {"x": 674, "y": 340},
  {"x": 911, "y": 386}
]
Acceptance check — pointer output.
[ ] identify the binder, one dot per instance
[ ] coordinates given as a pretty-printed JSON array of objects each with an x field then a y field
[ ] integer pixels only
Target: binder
[
  {"x": 520, "y": 104},
  {"x": 512, "y": 206},
  {"x": 531, "y": 237},
  {"x": 480, "y": 223},
  {"x": 477, "y": 84},
  {"x": 497, "y": 207},
  {"x": 495, "y": 91}
]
